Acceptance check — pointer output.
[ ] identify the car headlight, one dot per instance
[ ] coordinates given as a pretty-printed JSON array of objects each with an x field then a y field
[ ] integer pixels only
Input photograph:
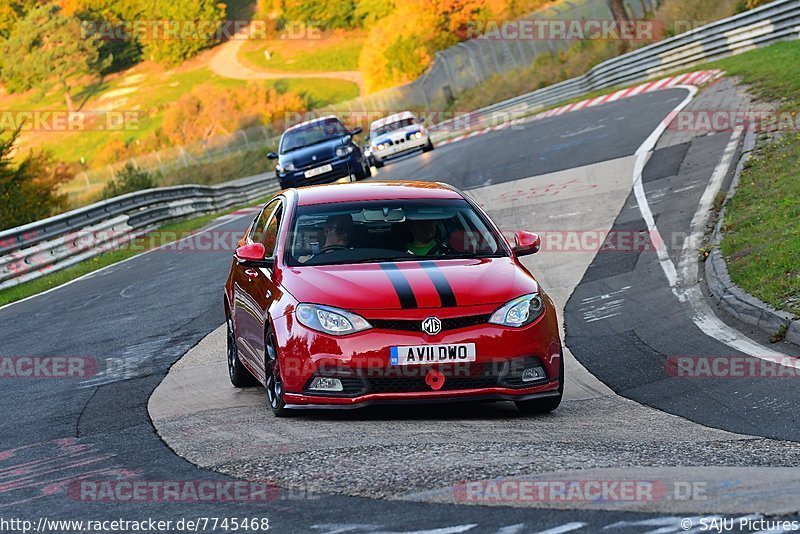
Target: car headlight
[
  {"x": 381, "y": 146},
  {"x": 418, "y": 135},
  {"x": 289, "y": 166},
  {"x": 344, "y": 150},
  {"x": 330, "y": 320},
  {"x": 519, "y": 312}
]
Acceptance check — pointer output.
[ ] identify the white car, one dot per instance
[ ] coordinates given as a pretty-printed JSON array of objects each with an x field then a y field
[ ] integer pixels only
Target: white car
[{"x": 397, "y": 134}]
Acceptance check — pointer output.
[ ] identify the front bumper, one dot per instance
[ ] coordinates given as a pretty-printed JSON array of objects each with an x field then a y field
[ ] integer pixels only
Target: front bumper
[
  {"x": 313, "y": 403},
  {"x": 362, "y": 362},
  {"x": 399, "y": 148},
  {"x": 340, "y": 168}
]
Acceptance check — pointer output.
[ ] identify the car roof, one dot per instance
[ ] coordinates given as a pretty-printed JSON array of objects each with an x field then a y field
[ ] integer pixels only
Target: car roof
[
  {"x": 306, "y": 123},
  {"x": 374, "y": 190},
  {"x": 392, "y": 118}
]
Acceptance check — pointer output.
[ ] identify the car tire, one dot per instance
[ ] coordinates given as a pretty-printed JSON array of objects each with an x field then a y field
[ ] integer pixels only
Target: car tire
[
  {"x": 378, "y": 164},
  {"x": 538, "y": 406},
  {"x": 547, "y": 404},
  {"x": 428, "y": 147},
  {"x": 274, "y": 381},
  {"x": 240, "y": 376},
  {"x": 364, "y": 173}
]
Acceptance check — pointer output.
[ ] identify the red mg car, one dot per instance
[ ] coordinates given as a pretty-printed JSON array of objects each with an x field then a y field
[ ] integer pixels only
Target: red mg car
[{"x": 388, "y": 292}]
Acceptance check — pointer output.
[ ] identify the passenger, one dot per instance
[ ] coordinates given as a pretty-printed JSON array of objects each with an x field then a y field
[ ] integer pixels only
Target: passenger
[{"x": 423, "y": 238}]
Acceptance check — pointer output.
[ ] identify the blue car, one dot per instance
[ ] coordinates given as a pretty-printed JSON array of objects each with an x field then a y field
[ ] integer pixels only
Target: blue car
[{"x": 317, "y": 152}]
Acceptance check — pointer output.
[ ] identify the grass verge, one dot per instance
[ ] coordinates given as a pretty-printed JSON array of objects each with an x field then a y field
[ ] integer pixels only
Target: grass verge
[
  {"x": 338, "y": 51},
  {"x": 761, "y": 232},
  {"x": 163, "y": 235}
]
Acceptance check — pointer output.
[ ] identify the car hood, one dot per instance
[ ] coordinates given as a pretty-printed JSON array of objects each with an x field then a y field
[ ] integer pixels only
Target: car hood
[
  {"x": 307, "y": 156},
  {"x": 394, "y": 135},
  {"x": 407, "y": 284}
]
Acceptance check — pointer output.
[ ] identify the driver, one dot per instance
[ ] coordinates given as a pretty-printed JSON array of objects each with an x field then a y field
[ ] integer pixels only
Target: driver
[
  {"x": 338, "y": 231},
  {"x": 423, "y": 238}
]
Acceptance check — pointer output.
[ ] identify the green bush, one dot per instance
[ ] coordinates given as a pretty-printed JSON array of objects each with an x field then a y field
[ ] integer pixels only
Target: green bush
[
  {"x": 230, "y": 167},
  {"x": 130, "y": 179}
]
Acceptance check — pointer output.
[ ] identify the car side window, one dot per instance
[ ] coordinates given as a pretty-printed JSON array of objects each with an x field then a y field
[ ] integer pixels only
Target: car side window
[
  {"x": 270, "y": 239},
  {"x": 257, "y": 233}
]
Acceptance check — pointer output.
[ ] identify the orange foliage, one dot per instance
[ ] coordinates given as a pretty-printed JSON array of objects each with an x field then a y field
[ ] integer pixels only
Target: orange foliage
[{"x": 209, "y": 111}]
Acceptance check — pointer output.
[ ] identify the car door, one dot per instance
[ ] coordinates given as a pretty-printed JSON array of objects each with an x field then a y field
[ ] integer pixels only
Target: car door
[{"x": 256, "y": 290}]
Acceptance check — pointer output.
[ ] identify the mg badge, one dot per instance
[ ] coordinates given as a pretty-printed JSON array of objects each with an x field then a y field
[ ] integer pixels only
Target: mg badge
[
  {"x": 314, "y": 157},
  {"x": 432, "y": 326}
]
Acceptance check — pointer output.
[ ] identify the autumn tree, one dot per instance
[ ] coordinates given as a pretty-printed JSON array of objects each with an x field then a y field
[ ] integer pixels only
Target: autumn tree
[
  {"x": 210, "y": 111},
  {"x": 187, "y": 27},
  {"x": 11, "y": 11},
  {"x": 48, "y": 49},
  {"x": 28, "y": 187}
]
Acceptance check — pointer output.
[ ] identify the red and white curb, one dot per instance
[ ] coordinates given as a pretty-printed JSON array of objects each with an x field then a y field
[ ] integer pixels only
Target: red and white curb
[{"x": 697, "y": 78}]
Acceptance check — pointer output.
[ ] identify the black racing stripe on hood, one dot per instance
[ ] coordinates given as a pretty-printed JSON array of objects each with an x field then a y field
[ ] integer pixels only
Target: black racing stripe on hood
[
  {"x": 401, "y": 285},
  {"x": 441, "y": 284}
]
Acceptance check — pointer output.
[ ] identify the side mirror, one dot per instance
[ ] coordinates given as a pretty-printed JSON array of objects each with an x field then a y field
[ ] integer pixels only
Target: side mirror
[
  {"x": 357, "y": 130},
  {"x": 253, "y": 255},
  {"x": 272, "y": 155},
  {"x": 526, "y": 243}
]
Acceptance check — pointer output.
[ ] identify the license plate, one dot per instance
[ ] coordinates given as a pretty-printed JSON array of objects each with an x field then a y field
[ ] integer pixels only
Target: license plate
[
  {"x": 431, "y": 354},
  {"x": 319, "y": 170}
]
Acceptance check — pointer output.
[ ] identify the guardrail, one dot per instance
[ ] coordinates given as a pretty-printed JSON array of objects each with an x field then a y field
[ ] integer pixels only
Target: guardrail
[
  {"x": 764, "y": 25},
  {"x": 33, "y": 250}
]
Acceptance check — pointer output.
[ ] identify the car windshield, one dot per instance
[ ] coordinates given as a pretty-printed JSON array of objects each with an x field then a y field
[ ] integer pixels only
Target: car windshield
[
  {"x": 390, "y": 230},
  {"x": 312, "y": 133},
  {"x": 392, "y": 126}
]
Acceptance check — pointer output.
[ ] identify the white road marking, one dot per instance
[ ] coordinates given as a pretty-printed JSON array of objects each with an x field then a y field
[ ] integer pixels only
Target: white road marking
[
  {"x": 638, "y": 189},
  {"x": 606, "y": 311},
  {"x": 582, "y": 131},
  {"x": 606, "y": 295},
  {"x": 569, "y": 527},
  {"x": 512, "y": 529},
  {"x": 446, "y": 530},
  {"x": 605, "y": 308},
  {"x": 688, "y": 290},
  {"x": 565, "y": 215},
  {"x": 340, "y": 528}
]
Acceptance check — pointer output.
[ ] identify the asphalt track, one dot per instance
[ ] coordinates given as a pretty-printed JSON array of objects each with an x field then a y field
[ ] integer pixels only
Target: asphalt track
[{"x": 147, "y": 312}]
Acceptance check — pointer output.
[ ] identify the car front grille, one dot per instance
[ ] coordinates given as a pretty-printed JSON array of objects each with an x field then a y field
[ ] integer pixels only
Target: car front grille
[
  {"x": 415, "y": 325},
  {"x": 411, "y": 379}
]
